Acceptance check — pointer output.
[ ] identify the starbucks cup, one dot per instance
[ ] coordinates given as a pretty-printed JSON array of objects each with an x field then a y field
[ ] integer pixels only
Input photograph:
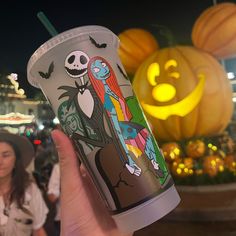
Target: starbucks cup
[{"x": 81, "y": 75}]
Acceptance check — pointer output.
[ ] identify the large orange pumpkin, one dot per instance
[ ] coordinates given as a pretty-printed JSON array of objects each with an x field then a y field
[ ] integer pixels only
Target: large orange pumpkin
[
  {"x": 214, "y": 30},
  {"x": 184, "y": 93},
  {"x": 135, "y": 45}
]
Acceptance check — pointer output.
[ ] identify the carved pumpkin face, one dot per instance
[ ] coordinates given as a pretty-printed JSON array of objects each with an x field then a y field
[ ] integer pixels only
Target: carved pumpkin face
[
  {"x": 164, "y": 92},
  {"x": 180, "y": 89}
]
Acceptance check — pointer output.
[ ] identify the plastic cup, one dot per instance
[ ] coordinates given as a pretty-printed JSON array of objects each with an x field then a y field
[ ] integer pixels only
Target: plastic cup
[{"x": 81, "y": 75}]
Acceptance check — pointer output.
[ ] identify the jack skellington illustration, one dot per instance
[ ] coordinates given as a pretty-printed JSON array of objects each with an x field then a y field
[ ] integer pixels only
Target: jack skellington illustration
[{"x": 85, "y": 100}]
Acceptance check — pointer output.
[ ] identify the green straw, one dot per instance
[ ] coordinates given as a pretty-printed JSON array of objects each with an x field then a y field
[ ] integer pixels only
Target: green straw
[{"x": 50, "y": 28}]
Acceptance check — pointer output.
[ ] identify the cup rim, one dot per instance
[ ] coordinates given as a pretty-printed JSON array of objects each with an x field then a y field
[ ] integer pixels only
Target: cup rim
[{"x": 60, "y": 38}]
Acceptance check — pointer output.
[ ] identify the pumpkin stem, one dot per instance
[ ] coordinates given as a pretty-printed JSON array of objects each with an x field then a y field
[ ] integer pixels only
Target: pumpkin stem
[{"x": 166, "y": 32}]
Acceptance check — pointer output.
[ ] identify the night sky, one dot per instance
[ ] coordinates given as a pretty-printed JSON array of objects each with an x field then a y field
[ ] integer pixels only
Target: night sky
[{"x": 22, "y": 33}]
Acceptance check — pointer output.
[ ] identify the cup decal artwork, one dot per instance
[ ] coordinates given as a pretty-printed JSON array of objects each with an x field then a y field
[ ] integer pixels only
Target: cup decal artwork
[
  {"x": 81, "y": 75},
  {"x": 133, "y": 137},
  {"x": 84, "y": 99},
  {"x": 97, "y": 45},
  {"x": 71, "y": 123},
  {"x": 98, "y": 119}
]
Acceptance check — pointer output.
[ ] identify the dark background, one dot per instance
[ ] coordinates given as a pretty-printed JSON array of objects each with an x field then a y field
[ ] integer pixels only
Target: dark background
[{"x": 22, "y": 33}]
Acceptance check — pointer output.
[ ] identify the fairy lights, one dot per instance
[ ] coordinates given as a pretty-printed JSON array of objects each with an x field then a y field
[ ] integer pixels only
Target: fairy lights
[{"x": 16, "y": 119}]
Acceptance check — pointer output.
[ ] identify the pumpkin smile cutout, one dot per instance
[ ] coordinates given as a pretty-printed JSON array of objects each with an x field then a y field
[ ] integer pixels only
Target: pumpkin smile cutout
[{"x": 164, "y": 92}]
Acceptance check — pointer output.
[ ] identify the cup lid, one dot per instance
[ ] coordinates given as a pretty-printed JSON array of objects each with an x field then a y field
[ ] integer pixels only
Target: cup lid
[{"x": 62, "y": 37}]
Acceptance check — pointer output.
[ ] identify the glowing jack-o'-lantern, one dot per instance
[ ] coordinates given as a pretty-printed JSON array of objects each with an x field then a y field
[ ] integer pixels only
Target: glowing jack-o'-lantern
[{"x": 184, "y": 92}]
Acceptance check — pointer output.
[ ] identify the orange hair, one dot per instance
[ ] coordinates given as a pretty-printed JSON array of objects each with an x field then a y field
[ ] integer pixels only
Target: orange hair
[{"x": 111, "y": 82}]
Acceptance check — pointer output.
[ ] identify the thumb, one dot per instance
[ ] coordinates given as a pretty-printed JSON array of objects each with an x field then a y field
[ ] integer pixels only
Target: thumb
[{"x": 69, "y": 166}]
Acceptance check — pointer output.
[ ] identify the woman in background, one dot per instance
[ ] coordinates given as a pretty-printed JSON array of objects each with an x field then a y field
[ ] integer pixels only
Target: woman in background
[{"x": 23, "y": 211}]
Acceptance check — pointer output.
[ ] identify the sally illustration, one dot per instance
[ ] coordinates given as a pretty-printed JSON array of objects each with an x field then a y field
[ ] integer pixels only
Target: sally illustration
[{"x": 133, "y": 137}]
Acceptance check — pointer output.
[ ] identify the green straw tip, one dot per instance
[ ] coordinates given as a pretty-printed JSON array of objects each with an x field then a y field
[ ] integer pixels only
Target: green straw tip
[
  {"x": 39, "y": 14},
  {"x": 47, "y": 24}
]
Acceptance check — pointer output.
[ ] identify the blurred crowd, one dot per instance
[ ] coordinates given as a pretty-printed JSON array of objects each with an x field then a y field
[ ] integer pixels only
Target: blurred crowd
[{"x": 47, "y": 176}]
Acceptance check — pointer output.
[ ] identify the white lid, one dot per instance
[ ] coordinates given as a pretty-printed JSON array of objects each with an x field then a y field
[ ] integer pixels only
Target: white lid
[{"x": 62, "y": 37}]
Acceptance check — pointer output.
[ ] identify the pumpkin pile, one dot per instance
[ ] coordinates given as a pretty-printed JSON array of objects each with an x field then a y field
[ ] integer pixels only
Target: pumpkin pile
[{"x": 201, "y": 161}]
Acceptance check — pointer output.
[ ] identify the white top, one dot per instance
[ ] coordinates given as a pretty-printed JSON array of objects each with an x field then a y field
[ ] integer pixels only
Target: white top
[
  {"x": 54, "y": 187},
  {"x": 20, "y": 223}
]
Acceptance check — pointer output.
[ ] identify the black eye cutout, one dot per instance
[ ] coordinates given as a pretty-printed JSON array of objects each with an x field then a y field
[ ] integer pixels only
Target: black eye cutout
[
  {"x": 71, "y": 59},
  {"x": 83, "y": 60}
]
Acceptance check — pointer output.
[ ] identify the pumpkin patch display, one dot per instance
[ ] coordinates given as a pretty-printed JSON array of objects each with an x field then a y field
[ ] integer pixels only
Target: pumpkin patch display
[
  {"x": 136, "y": 45},
  {"x": 184, "y": 93},
  {"x": 214, "y": 30}
]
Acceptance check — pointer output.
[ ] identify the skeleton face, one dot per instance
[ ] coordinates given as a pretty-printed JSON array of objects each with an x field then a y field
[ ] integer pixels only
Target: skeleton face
[{"x": 76, "y": 64}]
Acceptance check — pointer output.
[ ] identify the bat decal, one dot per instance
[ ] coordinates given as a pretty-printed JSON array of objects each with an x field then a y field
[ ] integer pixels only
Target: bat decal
[
  {"x": 103, "y": 45},
  {"x": 47, "y": 75}
]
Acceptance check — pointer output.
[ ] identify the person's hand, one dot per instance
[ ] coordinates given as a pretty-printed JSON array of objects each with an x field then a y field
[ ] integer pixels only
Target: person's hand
[{"x": 82, "y": 210}]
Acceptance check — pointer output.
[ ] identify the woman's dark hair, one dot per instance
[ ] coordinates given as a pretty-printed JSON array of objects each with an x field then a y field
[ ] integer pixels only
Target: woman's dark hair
[{"x": 20, "y": 178}]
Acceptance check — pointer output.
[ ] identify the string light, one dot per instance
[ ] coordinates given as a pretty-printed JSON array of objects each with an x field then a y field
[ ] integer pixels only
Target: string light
[
  {"x": 16, "y": 118},
  {"x": 212, "y": 147}
]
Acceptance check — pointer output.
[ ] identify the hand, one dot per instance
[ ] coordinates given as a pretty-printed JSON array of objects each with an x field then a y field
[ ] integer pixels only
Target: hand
[{"x": 82, "y": 210}]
